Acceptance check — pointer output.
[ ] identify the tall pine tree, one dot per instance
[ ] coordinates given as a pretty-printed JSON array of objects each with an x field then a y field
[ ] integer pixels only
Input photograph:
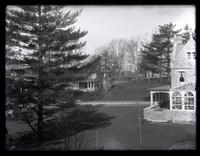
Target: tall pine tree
[
  {"x": 186, "y": 33},
  {"x": 156, "y": 54},
  {"x": 43, "y": 55}
]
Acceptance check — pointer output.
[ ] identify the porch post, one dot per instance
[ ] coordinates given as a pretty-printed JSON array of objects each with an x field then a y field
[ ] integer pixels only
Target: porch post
[
  {"x": 87, "y": 85},
  {"x": 194, "y": 93},
  {"x": 182, "y": 101},
  {"x": 170, "y": 100},
  {"x": 164, "y": 95},
  {"x": 93, "y": 86},
  {"x": 151, "y": 96}
]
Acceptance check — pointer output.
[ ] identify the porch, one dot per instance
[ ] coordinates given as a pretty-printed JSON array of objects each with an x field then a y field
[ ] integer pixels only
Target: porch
[
  {"x": 160, "y": 96},
  {"x": 85, "y": 86},
  {"x": 171, "y": 105}
]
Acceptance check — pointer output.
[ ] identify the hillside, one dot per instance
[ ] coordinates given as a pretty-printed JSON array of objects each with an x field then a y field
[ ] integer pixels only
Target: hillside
[{"x": 132, "y": 91}]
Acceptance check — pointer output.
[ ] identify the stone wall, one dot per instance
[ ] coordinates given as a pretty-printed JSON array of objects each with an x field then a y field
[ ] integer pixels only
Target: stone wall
[
  {"x": 191, "y": 75},
  {"x": 165, "y": 115}
]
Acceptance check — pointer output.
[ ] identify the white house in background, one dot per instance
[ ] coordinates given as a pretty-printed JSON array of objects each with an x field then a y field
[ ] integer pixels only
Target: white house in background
[
  {"x": 176, "y": 102},
  {"x": 92, "y": 83},
  {"x": 88, "y": 85},
  {"x": 96, "y": 78}
]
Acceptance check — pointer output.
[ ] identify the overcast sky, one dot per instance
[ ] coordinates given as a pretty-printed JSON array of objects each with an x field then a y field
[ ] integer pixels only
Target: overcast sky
[{"x": 105, "y": 23}]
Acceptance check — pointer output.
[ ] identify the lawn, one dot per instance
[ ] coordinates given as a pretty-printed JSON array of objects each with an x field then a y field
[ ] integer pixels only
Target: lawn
[
  {"x": 123, "y": 133},
  {"x": 126, "y": 90},
  {"x": 132, "y": 90}
]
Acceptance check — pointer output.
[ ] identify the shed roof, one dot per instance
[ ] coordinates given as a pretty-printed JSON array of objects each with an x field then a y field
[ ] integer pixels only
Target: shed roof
[
  {"x": 160, "y": 88},
  {"x": 185, "y": 86}
]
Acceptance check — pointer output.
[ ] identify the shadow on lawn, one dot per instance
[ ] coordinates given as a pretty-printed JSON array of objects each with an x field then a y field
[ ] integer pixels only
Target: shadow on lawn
[{"x": 184, "y": 145}]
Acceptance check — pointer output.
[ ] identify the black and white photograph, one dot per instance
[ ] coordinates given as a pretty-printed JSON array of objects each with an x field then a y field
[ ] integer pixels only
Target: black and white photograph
[{"x": 100, "y": 77}]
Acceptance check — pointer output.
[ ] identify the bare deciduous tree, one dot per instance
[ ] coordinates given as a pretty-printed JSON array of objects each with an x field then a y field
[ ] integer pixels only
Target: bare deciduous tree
[
  {"x": 132, "y": 56},
  {"x": 118, "y": 50},
  {"x": 140, "y": 122},
  {"x": 108, "y": 59}
]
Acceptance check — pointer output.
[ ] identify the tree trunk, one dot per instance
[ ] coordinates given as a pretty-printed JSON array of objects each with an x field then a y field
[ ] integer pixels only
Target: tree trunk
[
  {"x": 140, "y": 128},
  {"x": 160, "y": 78},
  {"x": 140, "y": 125},
  {"x": 148, "y": 78},
  {"x": 137, "y": 77},
  {"x": 97, "y": 139},
  {"x": 40, "y": 105},
  {"x": 65, "y": 143},
  {"x": 40, "y": 122},
  {"x": 29, "y": 123}
]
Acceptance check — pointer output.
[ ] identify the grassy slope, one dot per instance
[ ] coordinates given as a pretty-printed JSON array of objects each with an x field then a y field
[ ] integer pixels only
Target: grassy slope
[{"x": 132, "y": 90}]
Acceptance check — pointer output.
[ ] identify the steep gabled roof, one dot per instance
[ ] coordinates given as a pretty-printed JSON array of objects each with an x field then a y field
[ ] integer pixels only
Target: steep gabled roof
[
  {"x": 179, "y": 47},
  {"x": 180, "y": 55}
]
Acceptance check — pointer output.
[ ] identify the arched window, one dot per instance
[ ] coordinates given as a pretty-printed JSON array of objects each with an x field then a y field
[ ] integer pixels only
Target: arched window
[
  {"x": 189, "y": 101},
  {"x": 176, "y": 100}
]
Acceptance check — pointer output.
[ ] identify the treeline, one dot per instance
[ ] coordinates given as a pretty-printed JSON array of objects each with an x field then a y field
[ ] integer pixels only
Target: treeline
[{"x": 140, "y": 58}]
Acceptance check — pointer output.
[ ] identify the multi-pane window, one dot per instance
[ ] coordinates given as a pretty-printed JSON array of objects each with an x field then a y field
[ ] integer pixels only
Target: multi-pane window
[
  {"x": 189, "y": 101},
  {"x": 193, "y": 55},
  {"x": 177, "y": 100},
  {"x": 190, "y": 55}
]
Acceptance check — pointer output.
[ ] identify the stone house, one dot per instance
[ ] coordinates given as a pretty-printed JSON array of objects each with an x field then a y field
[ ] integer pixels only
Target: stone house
[{"x": 176, "y": 102}]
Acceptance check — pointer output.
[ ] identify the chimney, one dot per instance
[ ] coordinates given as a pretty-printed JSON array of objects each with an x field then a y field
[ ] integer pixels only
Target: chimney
[{"x": 179, "y": 39}]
